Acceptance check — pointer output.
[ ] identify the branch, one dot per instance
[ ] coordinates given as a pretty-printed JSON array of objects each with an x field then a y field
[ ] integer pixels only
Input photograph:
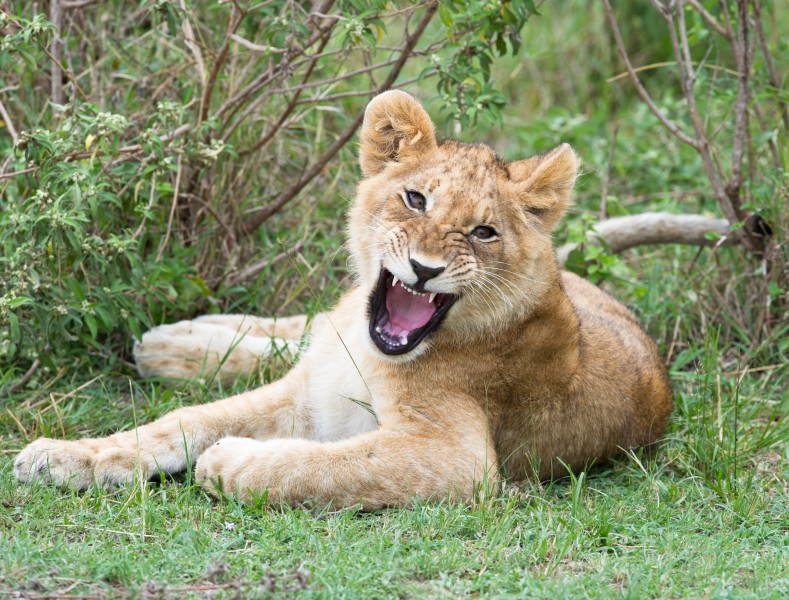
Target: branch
[
  {"x": 288, "y": 194},
  {"x": 56, "y": 17},
  {"x": 285, "y": 114},
  {"x": 255, "y": 269},
  {"x": 643, "y": 94},
  {"x": 768, "y": 61},
  {"x": 219, "y": 61},
  {"x": 134, "y": 147},
  {"x": 8, "y": 123},
  {"x": 687, "y": 77},
  {"x": 709, "y": 19},
  {"x": 5, "y": 392},
  {"x": 743, "y": 59},
  {"x": 622, "y": 233}
]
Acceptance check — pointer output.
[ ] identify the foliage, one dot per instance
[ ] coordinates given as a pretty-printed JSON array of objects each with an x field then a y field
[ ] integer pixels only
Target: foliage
[{"x": 125, "y": 204}]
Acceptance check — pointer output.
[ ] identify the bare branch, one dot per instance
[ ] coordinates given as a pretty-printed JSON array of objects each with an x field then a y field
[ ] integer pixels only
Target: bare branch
[
  {"x": 191, "y": 42},
  {"x": 73, "y": 4},
  {"x": 56, "y": 17},
  {"x": 16, "y": 173},
  {"x": 768, "y": 61},
  {"x": 5, "y": 392},
  {"x": 236, "y": 17},
  {"x": 709, "y": 19},
  {"x": 317, "y": 167},
  {"x": 9, "y": 124},
  {"x": 743, "y": 59},
  {"x": 607, "y": 175},
  {"x": 255, "y": 268},
  {"x": 643, "y": 94},
  {"x": 134, "y": 148},
  {"x": 294, "y": 100},
  {"x": 256, "y": 47},
  {"x": 173, "y": 206}
]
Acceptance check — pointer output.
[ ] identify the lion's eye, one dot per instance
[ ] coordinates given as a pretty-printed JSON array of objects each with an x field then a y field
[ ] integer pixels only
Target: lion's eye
[
  {"x": 484, "y": 233},
  {"x": 415, "y": 200}
]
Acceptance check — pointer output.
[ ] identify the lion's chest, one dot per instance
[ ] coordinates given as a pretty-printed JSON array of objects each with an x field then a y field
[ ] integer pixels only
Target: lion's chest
[{"x": 339, "y": 398}]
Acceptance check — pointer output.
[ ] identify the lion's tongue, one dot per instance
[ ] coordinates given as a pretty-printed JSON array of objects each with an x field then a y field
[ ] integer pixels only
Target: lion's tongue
[{"x": 406, "y": 310}]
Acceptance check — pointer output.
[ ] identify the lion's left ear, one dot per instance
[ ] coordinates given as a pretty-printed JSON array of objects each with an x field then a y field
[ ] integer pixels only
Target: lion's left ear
[
  {"x": 545, "y": 182},
  {"x": 396, "y": 128}
]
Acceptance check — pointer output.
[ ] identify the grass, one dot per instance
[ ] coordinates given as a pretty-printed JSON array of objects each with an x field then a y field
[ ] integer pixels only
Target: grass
[{"x": 705, "y": 515}]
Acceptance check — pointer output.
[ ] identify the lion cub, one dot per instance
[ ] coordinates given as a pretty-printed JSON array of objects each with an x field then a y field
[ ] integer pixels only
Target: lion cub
[{"x": 461, "y": 354}]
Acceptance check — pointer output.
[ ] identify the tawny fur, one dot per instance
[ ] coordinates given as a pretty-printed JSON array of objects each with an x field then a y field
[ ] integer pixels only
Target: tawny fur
[{"x": 532, "y": 371}]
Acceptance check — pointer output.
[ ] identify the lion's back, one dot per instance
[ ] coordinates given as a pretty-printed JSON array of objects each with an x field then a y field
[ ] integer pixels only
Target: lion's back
[{"x": 615, "y": 350}]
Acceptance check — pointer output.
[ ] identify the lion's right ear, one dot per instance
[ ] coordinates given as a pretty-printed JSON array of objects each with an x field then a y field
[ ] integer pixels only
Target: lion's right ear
[{"x": 396, "y": 128}]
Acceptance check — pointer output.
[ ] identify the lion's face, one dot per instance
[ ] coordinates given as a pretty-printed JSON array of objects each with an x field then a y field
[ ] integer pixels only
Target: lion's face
[{"x": 447, "y": 238}]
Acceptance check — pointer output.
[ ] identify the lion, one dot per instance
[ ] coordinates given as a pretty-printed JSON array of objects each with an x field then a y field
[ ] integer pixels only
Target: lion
[{"x": 462, "y": 354}]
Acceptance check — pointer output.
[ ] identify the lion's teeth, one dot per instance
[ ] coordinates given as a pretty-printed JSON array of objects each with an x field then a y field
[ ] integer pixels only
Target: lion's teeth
[
  {"x": 394, "y": 280},
  {"x": 432, "y": 297},
  {"x": 378, "y": 329}
]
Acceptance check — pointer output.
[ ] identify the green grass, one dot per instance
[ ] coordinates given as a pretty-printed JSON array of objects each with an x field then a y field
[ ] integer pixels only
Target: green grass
[{"x": 704, "y": 515}]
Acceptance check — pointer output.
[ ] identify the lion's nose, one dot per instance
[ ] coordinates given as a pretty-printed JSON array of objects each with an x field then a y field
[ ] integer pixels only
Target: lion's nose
[{"x": 423, "y": 273}]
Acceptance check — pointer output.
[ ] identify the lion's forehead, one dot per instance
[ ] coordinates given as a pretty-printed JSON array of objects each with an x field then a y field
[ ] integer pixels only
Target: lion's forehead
[{"x": 459, "y": 182}]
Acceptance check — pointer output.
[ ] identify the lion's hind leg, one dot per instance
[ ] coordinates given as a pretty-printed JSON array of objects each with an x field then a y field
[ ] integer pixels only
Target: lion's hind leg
[{"x": 230, "y": 346}]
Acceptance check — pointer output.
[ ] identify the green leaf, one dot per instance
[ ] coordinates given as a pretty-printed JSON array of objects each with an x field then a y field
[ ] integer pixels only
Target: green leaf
[
  {"x": 445, "y": 15},
  {"x": 14, "y": 323},
  {"x": 90, "y": 321}
]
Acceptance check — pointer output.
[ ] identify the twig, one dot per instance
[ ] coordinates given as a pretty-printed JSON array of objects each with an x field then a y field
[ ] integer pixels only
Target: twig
[
  {"x": 232, "y": 104},
  {"x": 72, "y": 4},
  {"x": 285, "y": 114},
  {"x": 607, "y": 175},
  {"x": 768, "y": 62},
  {"x": 743, "y": 58},
  {"x": 666, "y": 63},
  {"x": 205, "y": 99},
  {"x": 256, "y": 47},
  {"x": 132, "y": 148},
  {"x": 174, "y": 205},
  {"x": 8, "y": 123},
  {"x": 255, "y": 268},
  {"x": 318, "y": 166},
  {"x": 687, "y": 81},
  {"x": 5, "y": 392},
  {"x": 56, "y": 17},
  {"x": 15, "y": 173},
  {"x": 191, "y": 42},
  {"x": 710, "y": 20},
  {"x": 643, "y": 94}
]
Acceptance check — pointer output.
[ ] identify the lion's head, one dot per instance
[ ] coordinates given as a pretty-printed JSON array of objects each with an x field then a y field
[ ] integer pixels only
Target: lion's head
[{"x": 449, "y": 239}]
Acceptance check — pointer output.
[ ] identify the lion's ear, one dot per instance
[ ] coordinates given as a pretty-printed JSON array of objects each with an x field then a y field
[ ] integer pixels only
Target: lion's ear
[
  {"x": 545, "y": 182},
  {"x": 395, "y": 128}
]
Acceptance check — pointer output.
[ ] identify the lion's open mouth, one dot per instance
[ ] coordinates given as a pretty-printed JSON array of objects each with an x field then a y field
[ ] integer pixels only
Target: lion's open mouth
[{"x": 400, "y": 318}]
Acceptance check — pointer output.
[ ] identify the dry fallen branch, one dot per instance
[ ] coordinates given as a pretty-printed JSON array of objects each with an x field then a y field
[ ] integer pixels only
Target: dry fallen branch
[{"x": 622, "y": 233}]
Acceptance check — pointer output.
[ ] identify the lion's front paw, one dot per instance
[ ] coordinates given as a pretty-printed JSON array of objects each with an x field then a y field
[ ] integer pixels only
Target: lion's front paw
[
  {"x": 225, "y": 466},
  {"x": 60, "y": 462}
]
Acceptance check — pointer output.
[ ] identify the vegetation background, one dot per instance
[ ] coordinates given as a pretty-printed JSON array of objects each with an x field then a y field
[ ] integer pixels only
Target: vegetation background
[{"x": 164, "y": 159}]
